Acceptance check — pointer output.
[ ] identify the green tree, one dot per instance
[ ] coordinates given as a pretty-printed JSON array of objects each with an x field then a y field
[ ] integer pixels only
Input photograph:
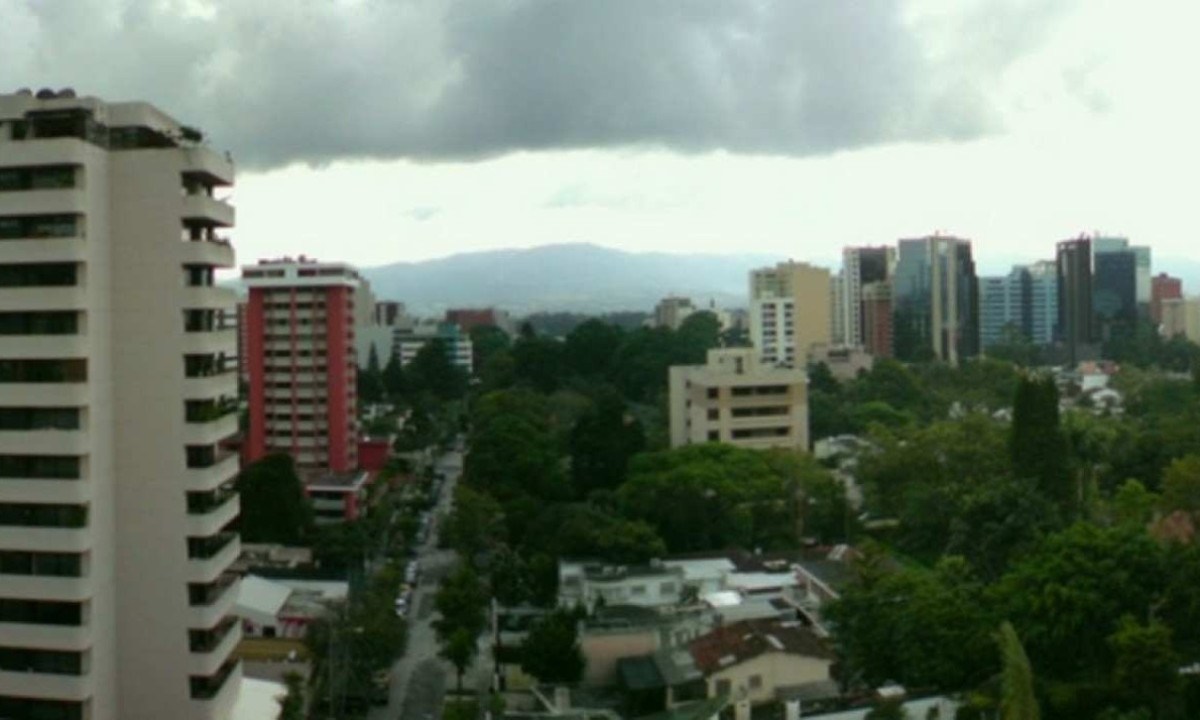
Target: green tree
[
  {"x": 394, "y": 380},
  {"x": 1133, "y": 504},
  {"x": 1037, "y": 443},
  {"x": 274, "y": 508},
  {"x": 601, "y": 444},
  {"x": 1017, "y": 698},
  {"x": 476, "y": 524},
  {"x": 888, "y": 710},
  {"x": 462, "y": 603},
  {"x": 371, "y": 388},
  {"x": 1181, "y": 486},
  {"x": 459, "y": 650},
  {"x": 590, "y": 348},
  {"x": 1145, "y": 670},
  {"x": 551, "y": 651},
  {"x": 487, "y": 341},
  {"x": 291, "y": 706},
  {"x": 538, "y": 361},
  {"x": 697, "y": 334},
  {"x": 431, "y": 369}
]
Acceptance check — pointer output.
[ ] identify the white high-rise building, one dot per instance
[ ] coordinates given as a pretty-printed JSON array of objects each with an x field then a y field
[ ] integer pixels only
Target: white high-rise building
[
  {"x": 118, "y": 393},
  {"x": 861, "y": 266},
  {"x": 790, "y": 312}
]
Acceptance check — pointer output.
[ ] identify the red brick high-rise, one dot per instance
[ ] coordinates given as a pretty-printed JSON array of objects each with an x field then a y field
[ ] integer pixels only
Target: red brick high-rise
[
  {"x": 877, "y": 318},
  {"x": 301, "y": 363},
  {"x": 1163, "y": 287}
]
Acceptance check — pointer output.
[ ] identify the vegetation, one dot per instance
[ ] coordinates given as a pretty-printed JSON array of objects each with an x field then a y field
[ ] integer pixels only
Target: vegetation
[{"x": 274, "y": 508}]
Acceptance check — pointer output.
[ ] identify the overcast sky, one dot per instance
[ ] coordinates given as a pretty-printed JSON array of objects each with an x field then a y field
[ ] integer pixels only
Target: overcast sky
[{"x": 375, "y": 131}]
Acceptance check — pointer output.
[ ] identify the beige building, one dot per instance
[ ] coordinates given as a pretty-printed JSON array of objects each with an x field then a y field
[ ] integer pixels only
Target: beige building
[
  {"x": 1181, "y": 316},
  {"x": 671, "y": 311},
  {"x": 118, "y": 391},
  {"x": 736, "y": 399},
  {"x": 791, "y": 310}
]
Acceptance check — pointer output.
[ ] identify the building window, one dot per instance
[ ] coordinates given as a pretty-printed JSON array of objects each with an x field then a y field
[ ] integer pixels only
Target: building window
[
  {"x": 637, "y": 590},
  {"x": 41, "y": 612},
  {"x": 712, "y": 393},
  {"x": 723, "y": 687},
  {"x": 40, "y": 467},
  {"x": 19, "y": 418},
  {"x": 39, "y": 275},
  {"x": 50, "y": 662},
  {"x": 667, "y": 588},
  {"x": 44, "y": 177},
  {"x": 29, "y": 227},
  {"x": 208, "y": 687},
  {"x": 714, "y": 436},
  {"x": 755, "y": 682},
  {"x": 714, "y": 414},
  {"x": 43, "y": 371},
  {"x": 43, "y": 515},
  {"x": 205, "y": 594},
  {"x": 49, "y": 564},
  {"x": 39, "y": 323}
]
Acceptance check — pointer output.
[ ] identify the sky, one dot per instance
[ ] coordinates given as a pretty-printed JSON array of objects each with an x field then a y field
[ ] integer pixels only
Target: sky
[{"x": 378, "y": 131}]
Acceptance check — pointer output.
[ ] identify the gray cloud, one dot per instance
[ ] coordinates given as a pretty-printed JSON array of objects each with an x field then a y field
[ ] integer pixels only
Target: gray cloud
[{"x": 318, "y": 80}]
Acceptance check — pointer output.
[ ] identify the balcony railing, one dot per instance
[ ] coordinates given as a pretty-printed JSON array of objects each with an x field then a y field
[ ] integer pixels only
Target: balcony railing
[{"x": 207, "y": 688}]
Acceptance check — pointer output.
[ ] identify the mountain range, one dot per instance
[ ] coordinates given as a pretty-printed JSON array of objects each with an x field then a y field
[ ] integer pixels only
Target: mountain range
[{"x": 570, "y": 277}]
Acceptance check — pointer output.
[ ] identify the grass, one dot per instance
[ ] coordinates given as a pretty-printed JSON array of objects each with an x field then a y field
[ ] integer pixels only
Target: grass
[{"x": 269, "y": 649}]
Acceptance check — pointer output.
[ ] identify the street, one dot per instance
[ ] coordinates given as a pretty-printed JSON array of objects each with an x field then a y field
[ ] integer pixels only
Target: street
[{"x": 418, "y": 678}]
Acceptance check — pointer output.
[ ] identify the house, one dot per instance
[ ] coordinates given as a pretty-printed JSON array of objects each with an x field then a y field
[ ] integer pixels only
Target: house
[
  {"x": 755, "y": 661},
  {"x": 590, "y": 584},
  {"x": 284, "y": 607}
]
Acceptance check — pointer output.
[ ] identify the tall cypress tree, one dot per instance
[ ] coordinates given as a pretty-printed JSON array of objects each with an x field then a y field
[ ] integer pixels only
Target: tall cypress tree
[{"x": 1037, "y": 443}]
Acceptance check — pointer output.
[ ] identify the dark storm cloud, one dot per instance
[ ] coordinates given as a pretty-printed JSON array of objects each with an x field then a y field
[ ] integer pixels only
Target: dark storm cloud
[{"x": 319, "y": 80}]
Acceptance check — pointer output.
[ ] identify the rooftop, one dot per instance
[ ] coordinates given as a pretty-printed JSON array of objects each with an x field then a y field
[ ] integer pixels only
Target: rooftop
[
  {"x": 738, "y": 642},
  {"x": 334, "y": 482}
]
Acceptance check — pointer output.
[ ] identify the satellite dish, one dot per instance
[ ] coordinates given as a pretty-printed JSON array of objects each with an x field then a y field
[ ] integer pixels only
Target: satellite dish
[
  {"x": 66, "y": 93},
  {"x": 45, "y": 94}
]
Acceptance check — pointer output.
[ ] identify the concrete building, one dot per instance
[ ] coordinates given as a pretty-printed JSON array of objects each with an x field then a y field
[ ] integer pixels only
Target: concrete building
[
  {"x": 1162, "y": 288},
  {"x": 935, "y": 300},
  {"x": 790, "y": 311},
  {"x": 1181, "y": 316},
  {"x": 338, "y": 497},
  {"x": 407, "y": 342},
  {"x": 735, "y": 399},
  {"x": 1024, "y": 302},
  {"x": 861, "y": 266},
  {"x": 300, "y": 348},
  {"x": 671, "y": 311},
  {"x": 467, "y": 319},
  {"x": 877, "y": 319},
  {"x": 116, "y": 382},
  {"x": 1076, "y": 321}
]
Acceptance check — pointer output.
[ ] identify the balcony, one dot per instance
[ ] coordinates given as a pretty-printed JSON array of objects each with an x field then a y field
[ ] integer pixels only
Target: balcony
[
  {"x": 206, "y": 433},
  {"x": 214, "y": 341},
  {"x": 221, "y": 699},
  {"x": 46, "y": 587},
  {"x": 212, "y": 522},
  {"x": 208, "y": 661},
  {"x": 202, "y": 209},
  {"x": 47, "y": 637},
  {"x": 214, "y": 298},
  {"x": 202, "y": 570},
  {"x": 48, "y": 201},
  {"x": 34, "y": 347},
  {"x": 202, "y": 164},
  {"x": 43, "y": 298},
  {"x": 223, "y": 384},
  {"x": 210, "y": 478},
  {"x": 42, "y": 539},
  {"x": 220, "y": 605},
  {"x": 43, "y": 442},
  {"x": 214, "y": 252},
  {"x": 45, "y": 686},
  {"x": 64, "y": 492},
  {"x": 43, "y": 250}
]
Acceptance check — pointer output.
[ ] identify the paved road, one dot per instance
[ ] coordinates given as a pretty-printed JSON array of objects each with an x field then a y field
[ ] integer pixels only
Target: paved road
[{"x": 418, "y": 678}]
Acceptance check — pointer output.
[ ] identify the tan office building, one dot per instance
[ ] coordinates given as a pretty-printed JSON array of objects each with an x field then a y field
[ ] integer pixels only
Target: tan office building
[
  {"x": 791, "y": 310},
  {"x": 735, "y": 399},
  {"x": 118, "y": 387}
]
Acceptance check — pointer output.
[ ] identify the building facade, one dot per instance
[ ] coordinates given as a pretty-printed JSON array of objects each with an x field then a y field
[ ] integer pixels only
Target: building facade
[
  {"x": 118, "y": 386},
  {"x": 1114, "y": 293},
  {"x": 407, "y": 342},
  {"x": 1181, "y": 317},
  {"x": 861, "y": 266},
  {"x": 877, "y": 319},
  {"x": 671, "y": 311},
  {"x": 1162, "y": 288},
  {"x": 736, "y": 399},
  {"x": 1076, "y": 322},
  {"x": 790, "y": 312},
  {"x": 303, "y": 370},
  {"x": 935, "y": 300}
]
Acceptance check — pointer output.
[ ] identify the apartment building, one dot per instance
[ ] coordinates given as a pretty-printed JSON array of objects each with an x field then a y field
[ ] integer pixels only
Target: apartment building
[
  {"x": 736, "y": 399},
  {"x": 117, "y": 390},
  {"x": 790, "y": 312},
  {"x": 407, "y": 342},
  {"x": 300, "y": 346},
  {"x": 671, "y": 311},
  {"x": 861, "y": 266}
]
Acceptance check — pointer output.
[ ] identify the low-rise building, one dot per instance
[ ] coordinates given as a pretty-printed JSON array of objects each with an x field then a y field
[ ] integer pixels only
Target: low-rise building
[
  {"x": 844, "y": 362},
  {"x": 735, "y": 399},
  {"x": 407, "y": 342},
  {"x": 671, "y": 311},
  {"x": 338, "y": 497}
]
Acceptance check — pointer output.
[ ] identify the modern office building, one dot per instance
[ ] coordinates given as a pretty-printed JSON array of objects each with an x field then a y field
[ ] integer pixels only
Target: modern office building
[
  {"x": 407, "y": 342},
  {"x": 1043, "y": 302},
  {"x": 1114, "y": 292},
  {"x": 1023, "y": 302},
  {"x": 300, "y": 324},
  {"x": 1163, "y": 287},
  {"x": 877, "y": 318},
  {"x": 735, "y": 399},
  {"x": 935, "y": 300},
  {"x": 790, "y": 312},
  {"x": 671, "y": 311},
  {"x": 117, "y": 398},
  {"x": 1076, "y": 321},
  {"x": 861, "y": 266}
]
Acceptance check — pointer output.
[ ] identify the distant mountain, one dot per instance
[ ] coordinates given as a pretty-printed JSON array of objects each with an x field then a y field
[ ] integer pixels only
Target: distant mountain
[{"x": 575, "y": 277}]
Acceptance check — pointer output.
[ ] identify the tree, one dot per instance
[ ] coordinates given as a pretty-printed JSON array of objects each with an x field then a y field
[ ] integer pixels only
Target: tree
[
  {"x": 551, "y": 651},
  {"x": 394, "y": 380},
  {"x": 697, "y": 334},
  {"x": 538, "y": 361},
  {"x": 462, "y": 603},
  {"x": 459, "y": 649},
  {"x": 274, "y": 508},
  {"x": 431, "y": 369},
  {"x": 1133, "y": 504},
  {"x": 888, "y": 710},
  {"x": 590, "y": 348},
  {"x": 291, "y": 706},
  {"x": 602, "y": 443},
  {"x": 371, "y": 388},
  {"x": 487, "y": 341},
  {"x": 1037, "y": 443},
  {"x": 1017, "y": 699},
  {"x": 1145, "y": 669},
  {"x": 1181, "y": 486}
]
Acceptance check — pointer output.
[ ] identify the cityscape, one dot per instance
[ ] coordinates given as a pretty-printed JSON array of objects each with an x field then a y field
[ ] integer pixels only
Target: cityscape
[{"x": 254, "y": 473}]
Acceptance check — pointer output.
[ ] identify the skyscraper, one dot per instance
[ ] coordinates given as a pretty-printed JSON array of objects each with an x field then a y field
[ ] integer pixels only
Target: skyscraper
[
  {"x": 1114, "y": 292},
  {"x": 1163, "y": 287},
  {"x": 935, "y": 300},
  {"x": 118, "y": 390},
  {"x": 1076, "y": 323},
  {"x": 861, "y": 266},
  {"x": 303, "y": 369},
  {"x": 790, "y": 312}
]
